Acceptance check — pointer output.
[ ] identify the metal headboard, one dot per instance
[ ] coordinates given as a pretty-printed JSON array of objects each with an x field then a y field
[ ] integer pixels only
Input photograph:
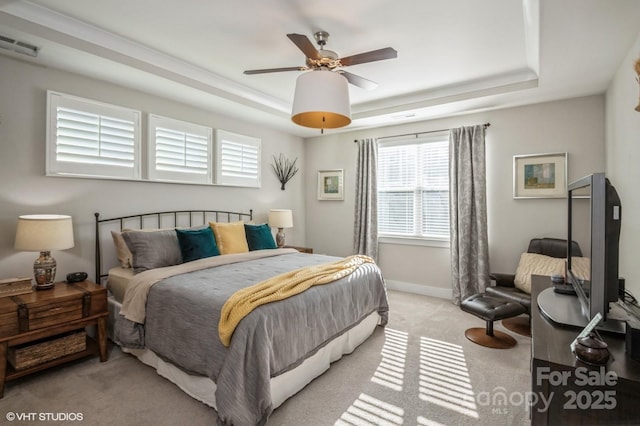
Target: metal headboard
[{"x": 143, "y": 220}]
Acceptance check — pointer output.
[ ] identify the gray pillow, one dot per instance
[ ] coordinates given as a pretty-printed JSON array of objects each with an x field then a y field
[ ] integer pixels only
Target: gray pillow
[{"x": 152, "y": 250}]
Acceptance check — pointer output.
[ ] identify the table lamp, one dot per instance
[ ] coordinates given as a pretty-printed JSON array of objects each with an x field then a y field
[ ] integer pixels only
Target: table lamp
[
  {"x": 280, "y": 218},
  {"x": 44, "y": 233}
]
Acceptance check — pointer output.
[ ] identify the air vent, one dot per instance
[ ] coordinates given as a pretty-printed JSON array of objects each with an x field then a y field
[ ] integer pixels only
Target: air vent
[{"x": 18, "y": 46}]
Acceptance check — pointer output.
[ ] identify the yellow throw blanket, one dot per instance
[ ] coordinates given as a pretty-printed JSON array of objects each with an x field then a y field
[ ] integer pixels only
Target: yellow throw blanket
[{"x": 280, "y": 287}]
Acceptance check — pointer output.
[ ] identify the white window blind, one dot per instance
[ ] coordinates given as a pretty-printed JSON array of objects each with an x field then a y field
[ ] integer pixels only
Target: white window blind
[
  {"x": 413, "y": 187},
  {"x": 91, "y": 139},
  {"x": 238, "y": 159},
  {"x": 179, "y": 151}
]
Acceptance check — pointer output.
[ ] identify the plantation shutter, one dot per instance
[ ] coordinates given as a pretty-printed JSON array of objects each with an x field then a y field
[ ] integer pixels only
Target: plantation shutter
[
  {"x": 179, "y": 151},
  {"x": 89, "y": 138},
  {"x": 238, "y": 159},
  {"x": 413, "y": 187}
]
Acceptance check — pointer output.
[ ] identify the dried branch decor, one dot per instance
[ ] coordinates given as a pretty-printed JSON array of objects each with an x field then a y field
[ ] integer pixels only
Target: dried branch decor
[{"x": 284, "y": 168}]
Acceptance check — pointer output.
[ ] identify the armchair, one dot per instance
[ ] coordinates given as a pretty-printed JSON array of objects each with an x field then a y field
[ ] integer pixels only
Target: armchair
[{"x": 505, "y": 287}]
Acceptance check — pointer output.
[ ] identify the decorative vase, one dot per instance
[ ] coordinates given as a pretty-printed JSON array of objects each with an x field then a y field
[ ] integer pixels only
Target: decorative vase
[{"x": 592, "y": 350}]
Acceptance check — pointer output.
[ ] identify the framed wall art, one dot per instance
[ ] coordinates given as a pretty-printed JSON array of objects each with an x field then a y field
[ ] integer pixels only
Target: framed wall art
[
  {"x": 540, "y": 175},
  {"x": 331, "y": 184}
]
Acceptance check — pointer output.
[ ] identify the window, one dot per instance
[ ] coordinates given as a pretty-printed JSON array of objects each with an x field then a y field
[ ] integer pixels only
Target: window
[
  {"x": 179, "y": 151},
  {"x": 413, "y": 187},
  {"x": 89, "y": 138},
  {"x": 238, "y": 159}
]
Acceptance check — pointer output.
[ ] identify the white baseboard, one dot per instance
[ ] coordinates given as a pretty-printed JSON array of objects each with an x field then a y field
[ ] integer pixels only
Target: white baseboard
[{"x": 425, "y": 290}]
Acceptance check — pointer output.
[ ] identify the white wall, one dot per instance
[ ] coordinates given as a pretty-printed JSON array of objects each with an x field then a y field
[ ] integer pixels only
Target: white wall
[
  {"x": 623, "y": 153},
  {"x": 575, "y": 126},
  {"x": 26, "y": 190}
]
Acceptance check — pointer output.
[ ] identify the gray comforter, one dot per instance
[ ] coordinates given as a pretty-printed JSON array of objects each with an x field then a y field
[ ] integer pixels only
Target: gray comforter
[{"x": 183, "y": 312}]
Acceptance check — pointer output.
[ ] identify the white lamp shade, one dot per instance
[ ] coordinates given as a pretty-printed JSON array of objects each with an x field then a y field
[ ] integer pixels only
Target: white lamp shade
[
  {"x": 44, "y": 232},
  {"x": 321, "y": 100},
  {"x": 280, "y": 218}
]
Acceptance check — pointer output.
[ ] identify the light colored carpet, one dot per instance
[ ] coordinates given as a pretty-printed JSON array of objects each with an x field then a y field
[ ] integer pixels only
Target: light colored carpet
[{"x": 420, "y": 370}]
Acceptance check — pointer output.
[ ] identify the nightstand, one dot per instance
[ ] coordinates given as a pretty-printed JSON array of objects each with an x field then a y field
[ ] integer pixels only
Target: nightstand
[
  {"x": 48, "y": 317},
  {"x": 308, "y": 250}
]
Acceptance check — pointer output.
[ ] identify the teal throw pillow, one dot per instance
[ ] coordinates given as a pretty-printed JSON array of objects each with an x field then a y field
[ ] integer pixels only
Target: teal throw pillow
[
  {"x": 197, "y": 243},
  {"x": 259, "y": 237}
]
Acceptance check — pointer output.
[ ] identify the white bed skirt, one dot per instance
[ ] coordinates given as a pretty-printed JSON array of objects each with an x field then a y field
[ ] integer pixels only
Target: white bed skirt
[{"x": 282, "y": 387}]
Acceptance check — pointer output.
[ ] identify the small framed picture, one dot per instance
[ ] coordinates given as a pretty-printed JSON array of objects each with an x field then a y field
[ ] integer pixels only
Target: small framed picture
[
  {"x": 331, "y": 184},
  {"x": 540, "y": 175}
]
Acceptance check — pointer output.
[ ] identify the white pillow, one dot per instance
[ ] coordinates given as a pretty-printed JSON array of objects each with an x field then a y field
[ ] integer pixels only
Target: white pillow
[
  {"x": 122, "y": 250},
  {"x": 581, "y": 267},
  {"x": 536, "y": 264}
]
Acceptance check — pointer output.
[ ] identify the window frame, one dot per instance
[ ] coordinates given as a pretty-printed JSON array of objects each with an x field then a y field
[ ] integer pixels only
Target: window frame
[
  {"x": 416, "y": 238},
  {"x": 178, "y": 126},
  {"x": 55, "y": 167},
  {"x": 223, "y": 136},
  {"x": 143, "y": 164}
]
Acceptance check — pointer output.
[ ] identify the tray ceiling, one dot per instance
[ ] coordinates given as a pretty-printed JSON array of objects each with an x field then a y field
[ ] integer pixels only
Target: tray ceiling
[{"x": 454, "y": 56}]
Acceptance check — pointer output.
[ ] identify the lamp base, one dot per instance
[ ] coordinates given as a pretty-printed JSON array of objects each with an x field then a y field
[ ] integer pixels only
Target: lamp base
[
  {"x": 44, "y": 271},
  {"x": 280, "y": 237}
]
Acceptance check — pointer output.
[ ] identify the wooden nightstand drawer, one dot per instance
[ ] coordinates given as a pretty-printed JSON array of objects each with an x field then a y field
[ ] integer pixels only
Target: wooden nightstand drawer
[
  {"x": 63, "y": 303},
  {"x": 98, "y": 297},
  {"x": 54, "y": 313},
  {"x": 8, "y": 317},
  {"x": 9, "y": 324}
]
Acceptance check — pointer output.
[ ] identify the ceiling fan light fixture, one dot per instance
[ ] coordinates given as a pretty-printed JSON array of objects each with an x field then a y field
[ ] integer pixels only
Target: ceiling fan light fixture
[{"x": 321, "y": 100}]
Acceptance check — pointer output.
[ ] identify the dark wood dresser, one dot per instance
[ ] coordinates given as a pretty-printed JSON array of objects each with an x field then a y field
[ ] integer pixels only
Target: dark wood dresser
[{"x": 567, "y": 391}]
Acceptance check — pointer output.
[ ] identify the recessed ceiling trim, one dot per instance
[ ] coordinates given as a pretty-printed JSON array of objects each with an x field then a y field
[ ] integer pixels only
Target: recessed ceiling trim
[
  {"x": 531, "y": 19},
  {"x": 537, "y": 36},
  {"x": 441, "y": 96},
  {"x": 79, "y": 35}
]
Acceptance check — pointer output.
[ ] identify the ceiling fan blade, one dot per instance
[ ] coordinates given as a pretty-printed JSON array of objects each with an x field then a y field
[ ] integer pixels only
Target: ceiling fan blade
[
  {"x": 374, "y": 55},
  {"x": 304, "y": 44},
  {"x": 267, "y": 70},
  {"x": 361, "y": 82}
]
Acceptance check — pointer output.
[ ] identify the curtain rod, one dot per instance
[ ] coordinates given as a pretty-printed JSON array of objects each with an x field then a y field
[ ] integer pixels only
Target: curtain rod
[{"x": 420, "y": 133}]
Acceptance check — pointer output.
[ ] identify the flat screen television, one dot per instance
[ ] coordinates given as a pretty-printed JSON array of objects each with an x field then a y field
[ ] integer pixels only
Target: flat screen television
[{"x": 596, "y": 280}]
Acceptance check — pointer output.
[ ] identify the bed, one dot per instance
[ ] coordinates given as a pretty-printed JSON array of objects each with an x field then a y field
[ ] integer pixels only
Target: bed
[{"x": 168, "y": 313}]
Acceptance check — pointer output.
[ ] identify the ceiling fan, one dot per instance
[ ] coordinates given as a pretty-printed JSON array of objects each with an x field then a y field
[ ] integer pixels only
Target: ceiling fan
[{"x": 327, "y": 59}]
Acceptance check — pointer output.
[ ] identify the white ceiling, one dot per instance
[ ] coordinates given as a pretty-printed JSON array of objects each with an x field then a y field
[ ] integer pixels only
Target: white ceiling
[{"x": 454, "y": 56}]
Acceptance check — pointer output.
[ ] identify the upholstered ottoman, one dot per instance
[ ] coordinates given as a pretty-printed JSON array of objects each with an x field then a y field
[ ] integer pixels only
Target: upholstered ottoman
[{"x": 490, "y": 309}]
